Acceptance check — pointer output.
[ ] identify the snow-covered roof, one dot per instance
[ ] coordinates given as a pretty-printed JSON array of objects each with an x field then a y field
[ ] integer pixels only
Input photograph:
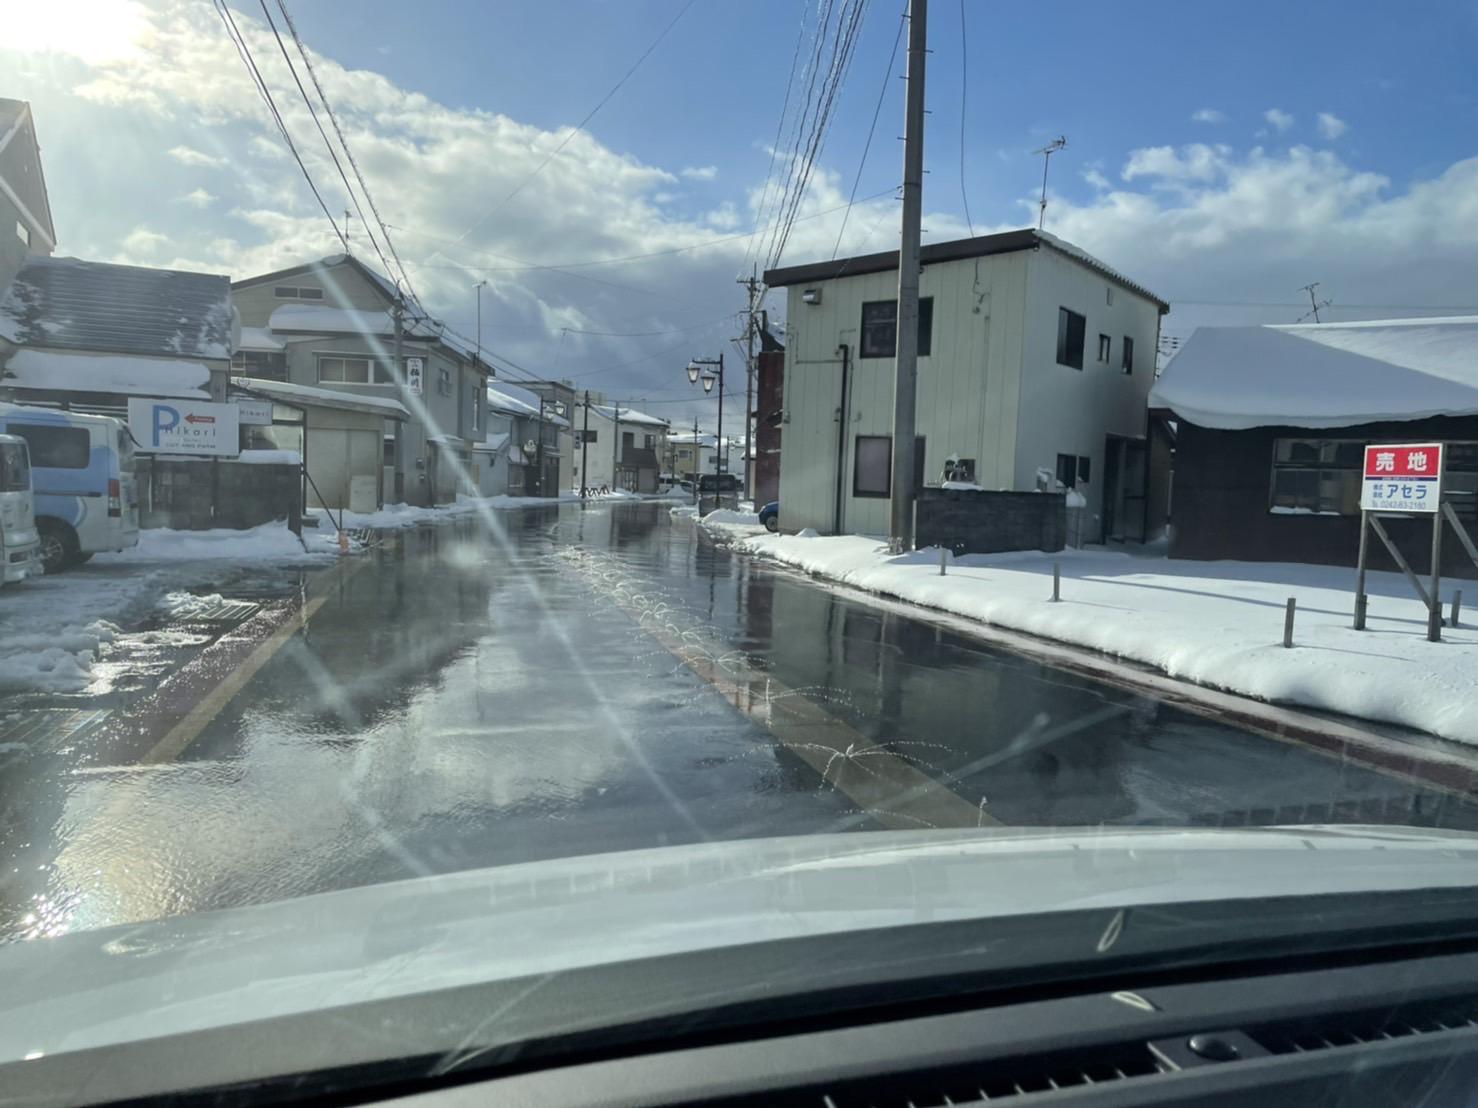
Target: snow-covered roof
[
  {"x": 311, "y": 396},
  {"x": 29, "y": 368},
  {"x": 259, "y": 338},
  {"x": 512, "y": 400},
  {"x": 68, "y": 304},
  {"x": 1323, "y": 374},
  {"x": 628, "y": 415},
  {"x": 337, "y": 321}
]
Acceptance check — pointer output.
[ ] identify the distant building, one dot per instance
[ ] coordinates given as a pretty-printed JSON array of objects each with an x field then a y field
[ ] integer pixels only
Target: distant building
[
  {"x": 330, "y": 324},
  {"x": 1271, "y": 425},
  {"x": 769, "y": 415},
  {"x": 688, "y": 454},
  {"x": 538, "y": 440},
  {"x": 1035, "y": 362},
  {"x": 622, "y": 448}
]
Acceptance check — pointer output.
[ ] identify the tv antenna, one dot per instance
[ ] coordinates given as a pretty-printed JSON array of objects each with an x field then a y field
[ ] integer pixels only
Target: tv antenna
[
  {"x": 1315, "y": 305},
  {"x": 1047, "y": 151}
]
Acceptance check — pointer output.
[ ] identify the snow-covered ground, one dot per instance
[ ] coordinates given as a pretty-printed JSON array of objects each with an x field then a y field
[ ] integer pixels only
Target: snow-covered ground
[
  {"x": 407, "y": 515},
  {"x": 1218, "y": 624},
  {"x": 54, "y": 629},
  {"x": 728, "y": 520}
]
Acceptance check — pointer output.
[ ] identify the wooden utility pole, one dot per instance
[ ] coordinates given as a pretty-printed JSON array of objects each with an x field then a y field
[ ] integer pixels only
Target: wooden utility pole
[
  {"x": 906, "y": 364},
  {"x": 584, "y": 448},
  {"x": 753, "y": 284},
  {"x": 616, "y": 446}
]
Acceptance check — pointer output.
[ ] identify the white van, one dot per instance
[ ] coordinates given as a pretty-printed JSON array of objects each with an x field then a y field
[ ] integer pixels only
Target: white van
[
  {"x": 18, "y": 537},
  {"x": 82, "y": 478}
]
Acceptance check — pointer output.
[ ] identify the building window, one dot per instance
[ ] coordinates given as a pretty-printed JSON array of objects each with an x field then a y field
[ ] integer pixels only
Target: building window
[
  {"x": 1108, "y": 295},
  {"x": 333, "y": 369},
  {"x": 1128, "y": 358},
  {"x": 880, "y": 328},
  {"x": 55, "y": 447},
  {"x": 1316, "y": 477},
  {"x": 1071, "y": 332},
  {"x": 22, "y": 232},
  {"x": 650, "y": 441},
  {"x": 628, "y": 440},
  {"x": 444, "y": 381},
  {"x": 589, "y": 436},
  {"x": 1105, "y": 348},
  {"x": 296, "y": 292},
  {"x": 1074, "y": 470},
  {"x": 872, "y": 469}
]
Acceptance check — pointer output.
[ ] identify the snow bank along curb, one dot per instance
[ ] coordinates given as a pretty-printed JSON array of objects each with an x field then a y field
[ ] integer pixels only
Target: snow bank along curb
[{"x": 1216, "y": 624}]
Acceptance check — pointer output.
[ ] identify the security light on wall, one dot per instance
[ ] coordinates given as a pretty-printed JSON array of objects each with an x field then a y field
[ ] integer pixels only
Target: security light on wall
[
  {"x": 693, "y": 373},
  {"x": 811, "y": 296}
]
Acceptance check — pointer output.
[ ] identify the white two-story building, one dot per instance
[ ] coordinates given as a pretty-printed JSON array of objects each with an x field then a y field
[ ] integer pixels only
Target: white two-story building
[{"x": 1035, "y": 365}]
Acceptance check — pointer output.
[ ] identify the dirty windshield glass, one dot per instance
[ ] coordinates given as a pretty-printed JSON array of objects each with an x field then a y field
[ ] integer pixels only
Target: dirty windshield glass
[{"x": 563, "y": 449}]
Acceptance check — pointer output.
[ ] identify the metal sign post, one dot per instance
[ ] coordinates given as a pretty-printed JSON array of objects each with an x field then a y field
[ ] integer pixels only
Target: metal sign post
[{"x": 1405, "y": 481}]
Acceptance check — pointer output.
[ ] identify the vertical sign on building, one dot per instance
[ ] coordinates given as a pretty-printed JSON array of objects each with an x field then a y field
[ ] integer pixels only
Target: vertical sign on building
[
  {"x": 414, "y": 370},
  {"x": 1402, "y": 478}
]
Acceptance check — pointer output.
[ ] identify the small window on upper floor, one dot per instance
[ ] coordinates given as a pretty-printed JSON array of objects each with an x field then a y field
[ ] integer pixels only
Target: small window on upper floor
[
  {"x": 296, "y": 292},
  {"x": 1108, "y": 295},
  {"x": 22, "y": 232},
  {"x": 1105, "y": 348},
  {"x": 1071, "y": 333},
  {"x": 880, "y": 328},
  {"x": 1128, "y": 360}
]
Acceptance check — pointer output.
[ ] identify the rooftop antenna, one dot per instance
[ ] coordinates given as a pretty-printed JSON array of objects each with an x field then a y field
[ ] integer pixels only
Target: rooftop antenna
[
  {"x": 1047, "y": 151},
  {"x": 1315, "y": 305}
]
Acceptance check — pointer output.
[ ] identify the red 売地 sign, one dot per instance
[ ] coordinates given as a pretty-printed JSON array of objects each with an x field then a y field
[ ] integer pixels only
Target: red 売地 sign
[{"x": 1404, "y": 477}]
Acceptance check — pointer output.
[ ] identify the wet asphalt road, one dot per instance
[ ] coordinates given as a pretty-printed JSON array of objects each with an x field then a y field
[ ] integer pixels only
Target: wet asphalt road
[{"x": 466, "y": 697}]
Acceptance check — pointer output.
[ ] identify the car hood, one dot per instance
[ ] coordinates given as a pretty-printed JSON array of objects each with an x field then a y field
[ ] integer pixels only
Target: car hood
[{"x": 214, "y": 969}]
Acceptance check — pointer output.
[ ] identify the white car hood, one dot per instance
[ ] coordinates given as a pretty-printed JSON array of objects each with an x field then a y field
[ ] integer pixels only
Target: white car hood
[{"x": 220, "y": 968}]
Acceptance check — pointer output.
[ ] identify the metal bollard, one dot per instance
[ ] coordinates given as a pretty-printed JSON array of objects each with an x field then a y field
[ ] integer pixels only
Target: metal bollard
[
  {"x": 942, "y": 555},
  {"x": 1056, "y": 582},
  {"x": 1362, "y": 605},
  {"x": 1457, "y": 606},
  {"x": 1288, "y": 622}
]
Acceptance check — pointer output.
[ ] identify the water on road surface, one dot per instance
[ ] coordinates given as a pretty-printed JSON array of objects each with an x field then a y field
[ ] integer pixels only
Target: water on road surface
[{"x": 572, "y": 680}]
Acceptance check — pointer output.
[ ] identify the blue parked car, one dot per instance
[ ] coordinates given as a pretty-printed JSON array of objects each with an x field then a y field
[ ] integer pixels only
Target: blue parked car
[{"x": 770, "y": 515}]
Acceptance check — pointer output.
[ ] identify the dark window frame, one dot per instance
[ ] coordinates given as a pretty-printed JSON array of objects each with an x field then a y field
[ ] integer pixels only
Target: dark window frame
[
  {"x": 1308, "y": 475},
  {"x": 45, "y": 448},
  {"x": 878, "y": 337},
  {"x": 1126, "y": 362},
  {"x": 1069, "y": 322},
  {"x": 871, "y": 493},
  {"x": 1105, "y": 349}
]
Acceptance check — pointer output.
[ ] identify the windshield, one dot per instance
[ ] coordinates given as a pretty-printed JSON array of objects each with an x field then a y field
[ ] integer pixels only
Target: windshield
[
  {"x": 549, "y": 433},
  {"x": 15, "y": 467}
]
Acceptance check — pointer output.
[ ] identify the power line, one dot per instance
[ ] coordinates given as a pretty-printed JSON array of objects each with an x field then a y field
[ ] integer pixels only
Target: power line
[
  {"x": 234, "y": 33},
  {"x": 581, "y": 125},
  {"x": 282, "y": 46},
  {"x": 348, "y": 151},
  {"x": 877, "y": 111},
  {"x": 779, "y": 128},
  {"x": 964, "y": 77}
]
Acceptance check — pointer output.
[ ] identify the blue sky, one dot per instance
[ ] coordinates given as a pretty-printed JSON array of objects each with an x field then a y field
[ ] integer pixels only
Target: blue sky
[{"x": 1227, "y": 153}]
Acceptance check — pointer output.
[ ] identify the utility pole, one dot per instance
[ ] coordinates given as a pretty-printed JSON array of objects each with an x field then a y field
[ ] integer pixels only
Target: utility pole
[
  {"x": 478, "y": 286},
  {"x": 584, "y": 447},
  {"x": 615, "y": 445},
  {"x": 697, "y": 466},
  {"x": 905, "y": 373},
  {"x": 397, "y": 374},
  {"x": 1047, "y": 151},
  {"x": 753, "y": 283}
]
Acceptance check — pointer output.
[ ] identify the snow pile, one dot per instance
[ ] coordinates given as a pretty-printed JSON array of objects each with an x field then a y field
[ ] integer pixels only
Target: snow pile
[
  {"x": 1217, "y": 624},
  {"x": 183, "y": 605},
  {"x": 271, "y": 542},
  {"x": 50, "y": 659},
  {"x": 688, "y": 511},
  {"x": 114, "y": 373},
  {"x": 963, "y": 486},
  {"x": 406, "y": 515},
  {"x": 731, "y": 518},
  {"x": 270, "y": 458}
]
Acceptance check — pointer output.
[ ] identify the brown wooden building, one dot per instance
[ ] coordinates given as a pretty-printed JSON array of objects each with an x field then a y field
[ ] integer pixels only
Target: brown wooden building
[{"x": 1271, "y": 424}]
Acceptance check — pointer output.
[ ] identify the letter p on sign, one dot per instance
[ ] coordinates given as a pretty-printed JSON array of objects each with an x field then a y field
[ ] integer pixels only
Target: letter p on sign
[{"x": 165, "y": 419}]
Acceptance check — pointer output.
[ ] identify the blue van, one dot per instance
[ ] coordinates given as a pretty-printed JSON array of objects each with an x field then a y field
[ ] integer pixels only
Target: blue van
[{"x": 82, "y": 477}]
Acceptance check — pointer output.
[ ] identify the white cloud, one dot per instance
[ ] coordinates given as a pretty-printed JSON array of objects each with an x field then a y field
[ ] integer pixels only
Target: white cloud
[
  {"x": 1095, "y": 177},
  {"x": 699, "y": 172},
  {"x": 187, "y": 155},
  {"x": 1279, "y": 119},
  {"x": 198, "y": 198},
  {"x": 1194, "y": 162},
  {"x": 269, "y": 148},
  {"x": 1209, "y": 115},
  {"x": 1332, "y": 126},
  {"x": 94, "y": 31},
  {"x": 142, "y": 242}
]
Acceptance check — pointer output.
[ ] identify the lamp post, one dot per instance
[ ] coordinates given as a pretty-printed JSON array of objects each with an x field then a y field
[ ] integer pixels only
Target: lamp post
[
  {"x": 558, "y": 408},
  {"x": 711, "y": 370},
  {"x": 478, "y": 287}
]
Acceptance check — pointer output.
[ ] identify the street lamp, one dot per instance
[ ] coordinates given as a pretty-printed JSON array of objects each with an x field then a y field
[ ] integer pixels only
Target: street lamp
[{"x": 711, "y": 370}]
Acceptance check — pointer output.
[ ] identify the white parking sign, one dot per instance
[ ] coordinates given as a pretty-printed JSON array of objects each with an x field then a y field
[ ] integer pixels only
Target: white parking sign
[{"x": 184, "y": 427}]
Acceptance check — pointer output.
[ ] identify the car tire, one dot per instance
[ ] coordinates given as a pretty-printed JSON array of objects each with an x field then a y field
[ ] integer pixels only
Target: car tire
[
  {"x": 772, "y": 523},
  {"x": 58, "y": 549}
]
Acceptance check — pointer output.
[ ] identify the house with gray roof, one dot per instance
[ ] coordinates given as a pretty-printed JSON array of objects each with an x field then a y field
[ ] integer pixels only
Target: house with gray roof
[{"x": 25, "y": 211}]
